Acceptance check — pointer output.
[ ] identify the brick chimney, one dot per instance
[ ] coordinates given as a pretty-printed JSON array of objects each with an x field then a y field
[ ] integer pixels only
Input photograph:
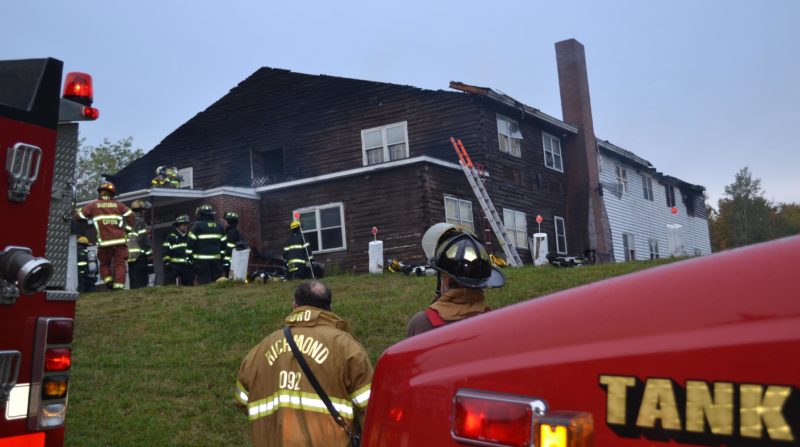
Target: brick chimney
[{"x": 586, "y": 212}]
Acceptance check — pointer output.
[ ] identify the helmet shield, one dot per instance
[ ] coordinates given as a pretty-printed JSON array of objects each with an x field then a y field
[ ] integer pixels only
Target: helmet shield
[{"x": 464, "y": 258}]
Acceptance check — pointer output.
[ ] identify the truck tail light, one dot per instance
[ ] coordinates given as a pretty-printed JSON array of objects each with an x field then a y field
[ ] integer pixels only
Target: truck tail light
[
  {"x": 47, "y": 404},
  {"x": 494, "y": 419},
  {"x": 58, "y": 359},
  {"x": 564, "y": 429}
]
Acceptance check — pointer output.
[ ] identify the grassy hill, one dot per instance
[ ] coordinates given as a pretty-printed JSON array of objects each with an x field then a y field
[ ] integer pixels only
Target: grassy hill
[{"x": 157, "y": 366}]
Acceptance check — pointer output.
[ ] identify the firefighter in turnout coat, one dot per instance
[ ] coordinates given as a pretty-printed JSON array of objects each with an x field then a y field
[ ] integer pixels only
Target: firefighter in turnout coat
[
  {"x": 176, "y": 255},
  {"x": 87, "y": 266},
  {"x": 282, "y": 406},
  {"x": 234, "y": 239},
  {"x": 464, "y": 269},
  {"x": 296, "y": 253},
  {"x": 140, "y": 252},
  {"x": 207, "y": 244},
  {"x": 109, "y": 218}
]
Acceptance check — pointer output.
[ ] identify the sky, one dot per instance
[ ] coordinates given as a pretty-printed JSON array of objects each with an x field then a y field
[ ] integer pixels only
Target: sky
[{"x": 700, "y": 89}]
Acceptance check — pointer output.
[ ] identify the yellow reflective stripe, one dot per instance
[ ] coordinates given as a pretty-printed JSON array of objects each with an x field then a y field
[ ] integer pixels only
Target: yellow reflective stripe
[
  {"x": 82, "y": 263},
  {"x": 210, "y": 236},
  {"x": 108, "y": 279},
  {"x": 295, "y": 261},
  {"x": 295, "y": 247},
  {"x": 192, "y": 236},
  {"x": 118, "y": 285},
  {"x": 112, "y": 242},
  {"x": 298, "y": 401},
  {"x": 178, "y": 261},
  {"x": 127, "y": 213},
  {"x": 81, "y": 215},
  {"x": 199, "y": 256},
  {"x": 241, "y": 394},
  {"x": 361, "y": 396}
]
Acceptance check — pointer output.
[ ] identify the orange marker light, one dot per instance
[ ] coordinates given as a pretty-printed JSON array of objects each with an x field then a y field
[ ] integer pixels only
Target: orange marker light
[{"x": 564, "y": 429}]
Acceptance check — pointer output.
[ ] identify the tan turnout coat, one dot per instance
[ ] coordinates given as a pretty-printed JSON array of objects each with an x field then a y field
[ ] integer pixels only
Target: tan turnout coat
[{"x": 282, "y": 406}]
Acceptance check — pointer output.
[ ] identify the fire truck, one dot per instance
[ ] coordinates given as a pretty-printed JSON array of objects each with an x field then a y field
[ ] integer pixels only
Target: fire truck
[
  {"x": 38, "y": 146},
  {"x": 698, "y": 352}
]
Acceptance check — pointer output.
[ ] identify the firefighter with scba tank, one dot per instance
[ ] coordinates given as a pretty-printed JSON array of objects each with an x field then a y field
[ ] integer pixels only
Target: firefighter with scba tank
[
  {"x": 140, "y": 252},
  {"x": 234, "y": 239},
  {"x": 109, "y": 218},
  {"x": 464, "y": 269},
  {"x": 87, "y": 266},
  {"x": 207, "y": 244},
  {"x": 177, "y": 256},
  {"x": 296, "y": 253}
]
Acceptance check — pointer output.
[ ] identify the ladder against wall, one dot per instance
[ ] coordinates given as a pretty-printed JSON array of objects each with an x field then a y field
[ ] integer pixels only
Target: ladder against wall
[{"x": 476, "y": 183}]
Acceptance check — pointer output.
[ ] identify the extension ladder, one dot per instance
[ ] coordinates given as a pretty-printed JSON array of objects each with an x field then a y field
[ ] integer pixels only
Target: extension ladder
[{"x": 474, "y": 179}]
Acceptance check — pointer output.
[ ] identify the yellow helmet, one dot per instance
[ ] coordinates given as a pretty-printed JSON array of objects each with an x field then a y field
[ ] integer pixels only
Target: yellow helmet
[
  {"x": 294, "y": 224},
  {"x": 83, "y": 240}
]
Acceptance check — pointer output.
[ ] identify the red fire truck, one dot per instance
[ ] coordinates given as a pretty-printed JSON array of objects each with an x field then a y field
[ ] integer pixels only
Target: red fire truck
[
  {"x": 38, "y": 145},
  {"x": 698, "y": 352}
]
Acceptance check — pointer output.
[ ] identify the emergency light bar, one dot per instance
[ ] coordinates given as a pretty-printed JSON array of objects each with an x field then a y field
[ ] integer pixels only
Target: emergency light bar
[
  {"x": 76, "y": 102},
  {"x": 78, "y": 87}
]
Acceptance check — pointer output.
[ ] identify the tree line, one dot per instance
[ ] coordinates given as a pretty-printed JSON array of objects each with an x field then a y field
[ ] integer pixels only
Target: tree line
[{"x": 744, "y": 216}]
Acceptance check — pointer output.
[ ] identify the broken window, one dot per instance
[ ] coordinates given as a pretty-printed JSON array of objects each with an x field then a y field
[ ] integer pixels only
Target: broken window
[
  {"x": 552, "y": 152},
  {"x": 509, "y": 135}
]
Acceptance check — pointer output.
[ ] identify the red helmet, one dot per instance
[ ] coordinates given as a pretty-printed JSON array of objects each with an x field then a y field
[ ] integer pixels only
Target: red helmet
[{"x": 107, "y": 186}]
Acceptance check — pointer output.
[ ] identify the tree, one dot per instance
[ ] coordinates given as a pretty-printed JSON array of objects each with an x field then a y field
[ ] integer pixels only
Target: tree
[
  {"x": 106, "y": 158},
  {"x": 745, "y": 216}
]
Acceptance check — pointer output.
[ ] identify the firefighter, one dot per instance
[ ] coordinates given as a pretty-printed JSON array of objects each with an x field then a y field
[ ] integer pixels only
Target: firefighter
[
  {"x": 270, "y": 373},
  {"x": 207, "y": 243},
  {"x": 87, "y": 266},
  {"x": 177, "y": 256},
  {"x": 296, "y": 253},
  {"x": 234, "y": 239},
  {"x": 463, "y": 269},
  {"x": 140, "y": 252},
  {"x": 109, "y": 218}
]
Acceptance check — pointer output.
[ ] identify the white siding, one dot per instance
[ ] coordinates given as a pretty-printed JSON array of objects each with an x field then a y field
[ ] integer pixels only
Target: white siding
[{"x": 646, "y": 220}]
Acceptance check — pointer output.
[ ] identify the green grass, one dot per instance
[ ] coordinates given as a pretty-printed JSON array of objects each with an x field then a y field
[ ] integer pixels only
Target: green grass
[{"x": 157, "y": 367}]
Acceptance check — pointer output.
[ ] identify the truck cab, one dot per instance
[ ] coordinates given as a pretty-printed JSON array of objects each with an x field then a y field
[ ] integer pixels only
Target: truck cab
[
  {"x": 704, "y": 351},
  {"x": 38, "y": 148}
]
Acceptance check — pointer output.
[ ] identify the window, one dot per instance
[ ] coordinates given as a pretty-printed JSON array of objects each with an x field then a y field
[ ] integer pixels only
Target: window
[
  {"x": 629, "y": 247},
  {"x": 552, "y": 152},
  {"x": 509, "y": 135},
  {"x": 186, "y": 173},
  {"x": 459, "y": 212},
  {"x": 516, "y": 227},
  {"x": 622, "y": 179},
  {"x": 670, "y": 192},
  {"x": 647, "y": 187},
  {"x": 323, "y": 227},
  {"x": 385, "y": 143},
  {"x": 561, "y": 235},
  {"x": 653, "y": 249}
]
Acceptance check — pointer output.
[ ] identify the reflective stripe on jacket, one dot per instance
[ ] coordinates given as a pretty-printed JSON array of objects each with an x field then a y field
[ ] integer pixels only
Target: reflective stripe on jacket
[
  {"x": 296, "y": 251},
  {"x": 175, "y": 248},
  {"x": 206, "y": 241},
  {"x": 281, "y": 404},
  {"x": 109, "y": 218}
]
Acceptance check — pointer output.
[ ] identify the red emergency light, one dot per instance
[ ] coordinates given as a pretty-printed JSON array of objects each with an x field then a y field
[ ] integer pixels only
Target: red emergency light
[
  {"x": 492, "y": 419},
  {"x": 78, "y": 88}
]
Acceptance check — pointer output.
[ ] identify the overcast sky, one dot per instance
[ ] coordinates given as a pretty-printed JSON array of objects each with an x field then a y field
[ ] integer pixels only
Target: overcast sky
[{"x": 698, "y": 88}]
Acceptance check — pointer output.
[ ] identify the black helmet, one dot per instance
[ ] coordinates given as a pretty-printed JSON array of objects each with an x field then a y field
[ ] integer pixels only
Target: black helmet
[
  {"x": 231, "y": 217},
  {"x": 464, "y": 258},
  {"x": 183, "y": 219},
  {"x": 206, "y": 209}
]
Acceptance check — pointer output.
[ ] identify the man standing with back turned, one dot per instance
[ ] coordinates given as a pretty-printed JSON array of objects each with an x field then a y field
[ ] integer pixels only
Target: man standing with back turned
[
  {"x": 109, "y": 218},
  {"x": 282, "y": 406}
]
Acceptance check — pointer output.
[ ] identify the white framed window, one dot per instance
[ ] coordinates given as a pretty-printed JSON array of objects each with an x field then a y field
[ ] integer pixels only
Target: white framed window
[
  {"x": 552, "y": 152},
  {"x": 622, "y": 179},
  {"x": 385, "y": 143},
  {"x": 670, "y": 193},
  {"x": 647, "y": 187},
  {"x": 509, "y": 135},
  {"x": 653, "y": 243},
  {"x": 629, "y": 247},
  {"x": 187, "y": 174},
  {"x": 458, "y": 212},
  {"x": 323, "y": 227},
  {"x": 516, "y": 227},
  {"x": 561, "y": 235}
]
